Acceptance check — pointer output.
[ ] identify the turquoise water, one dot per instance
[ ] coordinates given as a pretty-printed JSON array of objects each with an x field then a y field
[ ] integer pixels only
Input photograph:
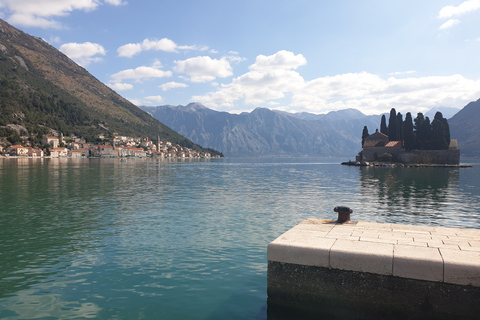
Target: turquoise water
[{"x": 145, "y": 239}]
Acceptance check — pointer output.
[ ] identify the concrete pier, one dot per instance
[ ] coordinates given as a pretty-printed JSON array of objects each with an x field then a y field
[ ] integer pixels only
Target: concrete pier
[{"x": 373, "y": 270}]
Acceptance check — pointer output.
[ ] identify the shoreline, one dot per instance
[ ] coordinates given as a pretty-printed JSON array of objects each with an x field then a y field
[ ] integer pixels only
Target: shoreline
[{"x": 403, "y": 165}]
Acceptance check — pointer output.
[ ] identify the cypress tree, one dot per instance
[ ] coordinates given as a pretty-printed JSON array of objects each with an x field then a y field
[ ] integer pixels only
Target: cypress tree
[
  {"x": 424, "y": 135},
  {"x": 428, "y": 131},
  {"x": 392, "y": 125},
  {"x": 399, "y": 125},
  {"x": 408, "y": 135},
  {"x": 447, "y": 130},
  {"x": 364, "y": 135},
  {"x": 440, "y": 136},
  {"x": 383, "y": 125},
  {"x": 418, "y": 138}
]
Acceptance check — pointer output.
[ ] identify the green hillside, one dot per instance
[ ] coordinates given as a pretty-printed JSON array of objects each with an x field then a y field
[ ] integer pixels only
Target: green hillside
[{"x": 42, "y": 89}]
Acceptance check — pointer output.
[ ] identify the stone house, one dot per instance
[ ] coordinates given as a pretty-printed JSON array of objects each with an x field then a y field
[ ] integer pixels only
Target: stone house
[
  {"x": 377, "y": 144},
  {"x": 79, "y": 153},
  {"x": 59, "y": 152},
  {"x": 53, "y": 141},
  {"x": 17, "y": 151},
  {"x": 104, "y": 151},
  {"x": 130, "y": 152},
  {"x": 35, "y": 152}
]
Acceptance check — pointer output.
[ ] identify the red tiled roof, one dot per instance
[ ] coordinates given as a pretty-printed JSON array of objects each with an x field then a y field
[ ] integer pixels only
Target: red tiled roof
[
  {"x": 388, "y": 144},
  {"x": 377, "y": 136},
  {"x": 392, "y": 144}
]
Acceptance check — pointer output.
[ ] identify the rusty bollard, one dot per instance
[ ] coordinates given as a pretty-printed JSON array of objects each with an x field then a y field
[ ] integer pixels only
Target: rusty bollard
[{"x": 343, "y": 214}]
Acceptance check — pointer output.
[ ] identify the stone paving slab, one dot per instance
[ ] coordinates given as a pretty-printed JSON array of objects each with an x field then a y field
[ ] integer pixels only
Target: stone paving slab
[{"x": 449, "y": 255}]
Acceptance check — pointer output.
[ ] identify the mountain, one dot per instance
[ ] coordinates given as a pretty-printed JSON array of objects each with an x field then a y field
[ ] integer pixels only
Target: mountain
[
  {"x": 265, "y": 132},
  {"x": 447, "y": 112},
  {"x": 43, "y": 91},
  {"x": 465, "y": 127}
]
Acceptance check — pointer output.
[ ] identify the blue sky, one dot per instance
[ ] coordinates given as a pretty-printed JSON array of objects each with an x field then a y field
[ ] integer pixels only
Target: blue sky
[{"x": 303, "y": 55}]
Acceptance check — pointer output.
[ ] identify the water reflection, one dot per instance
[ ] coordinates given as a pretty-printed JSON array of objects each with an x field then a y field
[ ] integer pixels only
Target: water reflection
[
  {"x": 32, "y": 304},
  {"x": 414, "y": 195}
]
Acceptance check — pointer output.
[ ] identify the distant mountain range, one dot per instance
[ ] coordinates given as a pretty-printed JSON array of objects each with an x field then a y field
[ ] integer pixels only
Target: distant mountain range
[
  {"x": 44, "y": 91},
  {"x": 265, "y": 132}
]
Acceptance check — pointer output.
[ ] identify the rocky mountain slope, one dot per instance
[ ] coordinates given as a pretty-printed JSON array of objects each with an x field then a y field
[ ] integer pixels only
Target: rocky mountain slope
[
  {"x": 465, "y": 127},
  {"x": 264, "y": 132},
  {"x": 42, "y": 89}
]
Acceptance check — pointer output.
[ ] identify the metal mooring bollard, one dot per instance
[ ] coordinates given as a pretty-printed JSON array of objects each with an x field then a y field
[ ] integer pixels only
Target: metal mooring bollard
[{"x": 343, "y": 214}]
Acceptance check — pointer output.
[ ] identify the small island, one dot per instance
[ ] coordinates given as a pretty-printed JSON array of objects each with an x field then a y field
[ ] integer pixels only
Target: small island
[{"x": 410, "y": 142}]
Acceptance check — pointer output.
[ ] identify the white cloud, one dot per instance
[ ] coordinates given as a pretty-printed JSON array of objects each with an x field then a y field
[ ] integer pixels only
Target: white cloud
[
  {"x": 463, "y": 8},
  {"x": 161, "y": 45},
  {"x": 448, "y": 24},
  {"x": 374, "y": 95},
  {"x": 83, "y": 53},
  {"x": 365, "y": 91},
  {"x": 270, "y": 78},
  {"x": 235, "y": 58},
  {"x": 140, "y": 73},
  {"x": 172, "y": 85},
  {"x": 130, "y": 49},
  {"x": 255, "y": 88},
  {"x": 116, "y": 2},
  {"x": 401, "y": 73},
  {"x": 204, "y": 68},
  {"x": 154, "y": 98},
  {"x": 281, "y": 60},
  {"x": 120, "y": 86},
  {"x": 35, "y": 13}
]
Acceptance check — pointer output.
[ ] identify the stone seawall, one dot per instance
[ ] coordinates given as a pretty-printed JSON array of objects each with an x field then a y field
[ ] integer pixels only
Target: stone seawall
[
  {"x": 375, "y": 271},
  {"x": 450, "y": 156}
]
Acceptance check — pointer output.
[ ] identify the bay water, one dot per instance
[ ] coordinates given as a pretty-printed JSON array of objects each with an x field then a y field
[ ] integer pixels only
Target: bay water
[{"x": 151, "y": 239}]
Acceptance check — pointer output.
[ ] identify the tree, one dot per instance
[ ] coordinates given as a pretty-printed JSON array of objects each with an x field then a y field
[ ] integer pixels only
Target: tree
[
  {"x": 408, "y": 134},
  {"x": 440, "y": 136},
  {"x": 399, "y": 125},
  {"x": 383, "y": 125},
  {"x": 385, "y": 157},
  {"x": 14, "y": 138},
  {"x": 447, "y": 128},
  {"x": 392, "y": 125},
  {"x": 427, "y": 132},
  {"x": 423, "y": 133},
  {"x": 418, "y": 125},
  {"x": 364, "y": 134}
]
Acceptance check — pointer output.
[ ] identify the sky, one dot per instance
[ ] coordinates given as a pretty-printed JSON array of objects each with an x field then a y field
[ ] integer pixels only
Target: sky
[{"x": 296, "y": 56}]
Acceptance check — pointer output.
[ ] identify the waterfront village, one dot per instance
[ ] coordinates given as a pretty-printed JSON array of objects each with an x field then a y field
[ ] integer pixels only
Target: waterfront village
[{"x": 119, "y": 146}]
